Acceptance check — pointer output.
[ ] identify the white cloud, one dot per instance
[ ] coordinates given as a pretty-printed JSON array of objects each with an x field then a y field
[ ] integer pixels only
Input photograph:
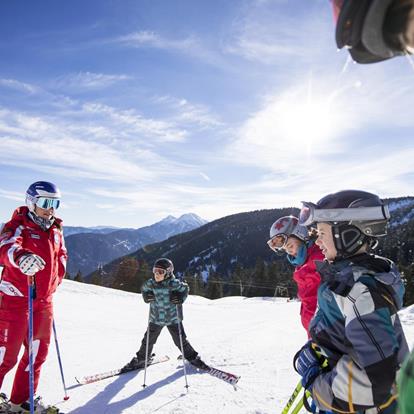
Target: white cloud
[
  {"x": 187, "y": 113},
  {"x": 264, "y": 33},
  {"x": 20, "y": 86},
  {"x": 152, "y": 39},
  {"x": 132, "y": 122},
  {"x": 11, "y": 195},
  {"x": 205, "y": 176},
  {"x": 84, "y": 149},
  {"x": 191, "y": 46},
  {"x": 88, "y": 80}
]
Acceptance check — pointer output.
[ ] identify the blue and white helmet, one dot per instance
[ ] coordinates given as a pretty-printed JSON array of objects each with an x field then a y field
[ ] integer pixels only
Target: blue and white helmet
[{"x": 40, "y": 189}]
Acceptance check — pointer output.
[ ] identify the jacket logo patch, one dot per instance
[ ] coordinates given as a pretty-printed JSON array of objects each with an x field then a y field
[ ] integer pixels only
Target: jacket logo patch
[
  {"x": 57, "y": 238},
  {"x": 35, "y": 236}
]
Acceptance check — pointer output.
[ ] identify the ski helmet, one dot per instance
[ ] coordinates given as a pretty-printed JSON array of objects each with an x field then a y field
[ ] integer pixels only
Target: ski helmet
[
  {"x": 357, "y": 217},
  {"x": 165, "y": 264},
  {"x": 282, "y": 229},
  {"x": 43, "y": 194},
  {"x": 360, "y": 26}
]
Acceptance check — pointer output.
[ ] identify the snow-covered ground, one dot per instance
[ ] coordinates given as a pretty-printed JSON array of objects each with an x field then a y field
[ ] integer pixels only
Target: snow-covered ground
[{"x": 100, "y": 329}]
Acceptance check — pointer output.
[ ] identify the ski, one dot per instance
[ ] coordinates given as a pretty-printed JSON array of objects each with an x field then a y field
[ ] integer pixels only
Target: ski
[
  {"x": 99, "y": 377},
  {"x": 232, "y": 379}
]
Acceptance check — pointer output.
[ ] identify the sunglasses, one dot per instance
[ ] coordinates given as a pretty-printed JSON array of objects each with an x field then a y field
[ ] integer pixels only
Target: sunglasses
[
  {"x": 278, "y": 242},
  {"x": 158, "y": 271},
  {"x": 47, "y": 203}
]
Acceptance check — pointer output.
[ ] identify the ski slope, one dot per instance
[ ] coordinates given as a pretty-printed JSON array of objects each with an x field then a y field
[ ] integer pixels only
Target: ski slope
[{"x": 100, "y": 329}]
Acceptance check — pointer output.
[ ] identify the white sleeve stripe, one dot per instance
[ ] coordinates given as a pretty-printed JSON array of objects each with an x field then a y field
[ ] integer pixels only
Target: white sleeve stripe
[
  {"x": 10, "y": 254},
  {"x": 15, "y": 236},
  {"x": 15, "y": 246}
]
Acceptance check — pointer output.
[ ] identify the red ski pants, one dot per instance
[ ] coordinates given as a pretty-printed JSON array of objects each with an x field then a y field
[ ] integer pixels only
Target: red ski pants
[{"x": 14, "y": 329}]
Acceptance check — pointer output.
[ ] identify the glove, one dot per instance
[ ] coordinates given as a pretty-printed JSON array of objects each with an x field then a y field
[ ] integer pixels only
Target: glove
[
  {"x": 307, "y": 364},
  {"x": 30, "y": 264},
  {"x": 176, "y": 298},
  {"x": 148, "y": 296}
]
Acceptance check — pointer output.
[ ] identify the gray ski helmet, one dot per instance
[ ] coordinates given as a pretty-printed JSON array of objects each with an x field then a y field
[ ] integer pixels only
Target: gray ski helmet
[
  {"x": 285, "y": 227},
  {"x": 356, "y": 217},
  {"x": 166, "y": 264}
]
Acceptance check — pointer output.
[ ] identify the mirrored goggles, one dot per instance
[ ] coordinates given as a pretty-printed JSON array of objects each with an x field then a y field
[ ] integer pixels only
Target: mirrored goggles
[
  {"x": 159, "y": 271},
  {"x": 278, "y": 242},
  {"x": 47, "y": 203},
  {"x": 310, "y": 213}
]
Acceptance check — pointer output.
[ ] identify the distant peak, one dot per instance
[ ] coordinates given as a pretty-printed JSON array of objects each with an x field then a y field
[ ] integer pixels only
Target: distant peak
[
  {"x": 169, "y": 218},
  {"x": 192, "y": 217}
]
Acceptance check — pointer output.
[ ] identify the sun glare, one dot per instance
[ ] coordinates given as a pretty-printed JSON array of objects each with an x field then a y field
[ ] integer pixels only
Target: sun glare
[{"x": 307, "y": 123}]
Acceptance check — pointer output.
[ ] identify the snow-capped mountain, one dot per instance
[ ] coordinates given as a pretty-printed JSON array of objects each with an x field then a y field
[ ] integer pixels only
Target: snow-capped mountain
[
  {"x": 239, "y": 240},
  {"x": 98, "y": 246}
]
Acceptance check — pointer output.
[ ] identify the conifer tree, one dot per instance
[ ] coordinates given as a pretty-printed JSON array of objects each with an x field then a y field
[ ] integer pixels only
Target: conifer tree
[{"x": 78, "y": 277}]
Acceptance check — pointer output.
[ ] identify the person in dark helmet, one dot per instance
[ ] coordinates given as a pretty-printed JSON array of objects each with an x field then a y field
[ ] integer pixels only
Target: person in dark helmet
[
  {"x": 288, "y": 236},
  {"x": 31, "y": 243},
  {"x": 375, "y": 30},
  {"x": 356, "y": 328},
  {"x": 165, "y": 294}
]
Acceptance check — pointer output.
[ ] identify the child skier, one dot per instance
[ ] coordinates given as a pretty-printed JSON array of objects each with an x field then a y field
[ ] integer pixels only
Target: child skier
[
  {"x": 31, "y": 243},
  {"x": 165, "y": 294},
  {"x": 286, "y": 235},
  {"x": 356, "y": 327}
]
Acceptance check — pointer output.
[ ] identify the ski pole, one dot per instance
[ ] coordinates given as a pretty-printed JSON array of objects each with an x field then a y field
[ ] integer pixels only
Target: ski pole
[
  {"x": 66, "y": 397},
  {"x": 292, "y": 398},
  {"x": 146, "y": 348},
  {"x": 182, "y": 347},
  {"x": 32, "y": 296}
]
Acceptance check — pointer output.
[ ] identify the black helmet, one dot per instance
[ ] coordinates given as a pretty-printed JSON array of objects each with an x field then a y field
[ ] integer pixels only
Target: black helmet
[
  {"x": 166, "y": 264},
  {"x": 366, "y": 28},
  {"x": 357, "y": 217}
]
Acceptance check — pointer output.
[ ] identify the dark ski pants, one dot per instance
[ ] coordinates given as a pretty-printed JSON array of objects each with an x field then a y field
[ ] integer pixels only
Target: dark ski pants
[{"x": 155, "y": 330}]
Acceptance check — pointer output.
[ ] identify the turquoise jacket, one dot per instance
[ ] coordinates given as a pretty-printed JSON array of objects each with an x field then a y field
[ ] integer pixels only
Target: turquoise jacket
[{"x": 162, "y": 311}]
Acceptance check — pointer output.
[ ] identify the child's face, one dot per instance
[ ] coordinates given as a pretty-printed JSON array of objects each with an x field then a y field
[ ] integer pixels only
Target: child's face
[
  {"x": 292, "y": 246},
  {"x": 159, "y": 274},
  {"x": 325, "y": 241}
]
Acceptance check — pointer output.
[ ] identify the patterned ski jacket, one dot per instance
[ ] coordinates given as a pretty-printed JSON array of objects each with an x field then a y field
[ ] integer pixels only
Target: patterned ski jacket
[
  {"x": 162, "y": 311},
  {"x": 307, "y": 278},
  {"x": 21, "y": 236},
  {"x": 359, "y": 331}
]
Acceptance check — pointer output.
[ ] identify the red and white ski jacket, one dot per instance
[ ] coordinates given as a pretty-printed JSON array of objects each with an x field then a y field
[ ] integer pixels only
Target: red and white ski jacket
[{"x": 21, "y": 236}]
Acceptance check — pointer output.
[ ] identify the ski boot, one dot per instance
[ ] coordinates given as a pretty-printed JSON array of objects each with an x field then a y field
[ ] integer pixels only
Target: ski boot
[
  {"x": 136, "y": 363},
  {"x": 4, "y": 404},
  {"x": 39, "y": 407},
  {"x": 197, "y": 362}
]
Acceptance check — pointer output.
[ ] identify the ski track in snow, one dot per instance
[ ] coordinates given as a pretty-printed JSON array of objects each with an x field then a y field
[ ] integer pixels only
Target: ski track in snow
[{"x": 100, "y": 329}]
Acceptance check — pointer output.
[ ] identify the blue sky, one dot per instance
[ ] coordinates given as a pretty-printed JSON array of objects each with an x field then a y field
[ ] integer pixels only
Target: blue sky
[{"x": 140, "y": 109}]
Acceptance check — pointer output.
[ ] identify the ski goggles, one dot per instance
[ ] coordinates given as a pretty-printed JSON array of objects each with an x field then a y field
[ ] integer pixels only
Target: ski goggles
[
  {"x": 46, "y": 203},
  {"x": 278, "y": 242},
  {"x": 159, "y": 271},
  {"x": 310, "y": 213}
]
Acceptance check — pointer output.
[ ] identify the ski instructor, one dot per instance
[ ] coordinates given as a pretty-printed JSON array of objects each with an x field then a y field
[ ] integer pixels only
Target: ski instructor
[{"x": 31, "y": 243}]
